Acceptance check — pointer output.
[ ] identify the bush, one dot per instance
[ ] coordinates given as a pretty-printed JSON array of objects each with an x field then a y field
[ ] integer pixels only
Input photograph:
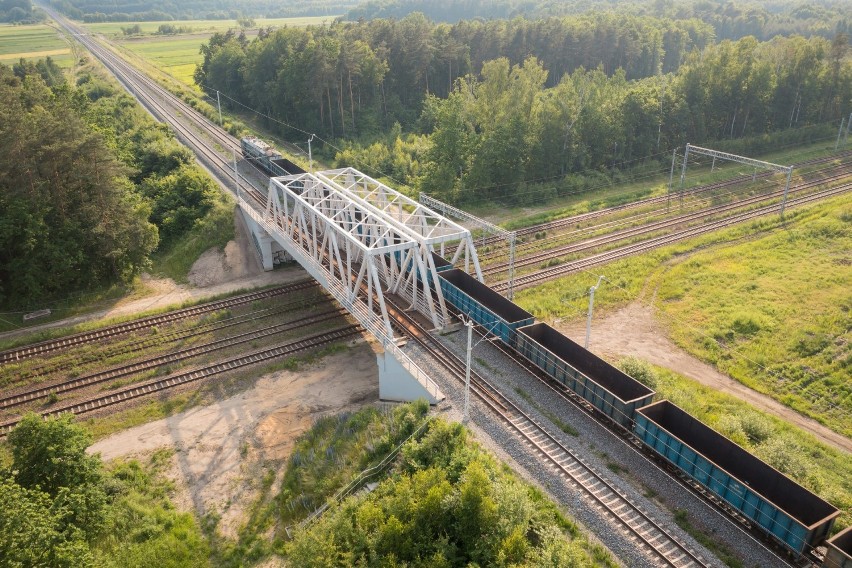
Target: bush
[{"x": 639, "y": 370}]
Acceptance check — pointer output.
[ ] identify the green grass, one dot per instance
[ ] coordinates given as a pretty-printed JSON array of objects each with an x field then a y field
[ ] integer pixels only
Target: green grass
[
  {"x": 176, "y": 56},
  {"x": 767, "y": 303},
  {"x": 422, "y": 508},
  {"x": 179, "y": 54},
  {"x": 209, "y": 26},
  {"x": 143, "y": 528},
  {"x": 33, "y": 42}
]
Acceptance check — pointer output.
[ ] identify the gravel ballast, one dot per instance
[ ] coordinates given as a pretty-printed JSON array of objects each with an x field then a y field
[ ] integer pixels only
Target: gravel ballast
[{"x": 655, "y": 491}]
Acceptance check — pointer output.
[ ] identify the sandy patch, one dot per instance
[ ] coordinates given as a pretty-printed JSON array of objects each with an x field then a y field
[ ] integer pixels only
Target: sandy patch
[
  {"x": 36, "y": 54},
  {"x": 223, "y": 450},
  {"x": 634, "y": 330}
]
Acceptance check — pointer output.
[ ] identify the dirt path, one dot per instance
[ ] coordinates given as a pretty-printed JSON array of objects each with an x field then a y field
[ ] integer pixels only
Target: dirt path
[
  {"x": 214, "y": 273},
  {"x": 634, "y": 330},
  {"x": 223, "y": 450}
]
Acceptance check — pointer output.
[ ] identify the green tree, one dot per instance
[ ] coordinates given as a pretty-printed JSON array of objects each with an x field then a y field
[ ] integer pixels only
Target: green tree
[
  {"x": 179, "y": 199},
  {"x": 49, "y": 455},
  {"x": 69, "y": 217},
  {"x": 33, "y": 533}
]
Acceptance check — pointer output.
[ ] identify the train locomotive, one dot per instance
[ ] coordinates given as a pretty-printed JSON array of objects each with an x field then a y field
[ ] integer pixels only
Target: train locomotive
[
  {"x": 267, "y": 158},
  {"x": 780, "y": 508}
]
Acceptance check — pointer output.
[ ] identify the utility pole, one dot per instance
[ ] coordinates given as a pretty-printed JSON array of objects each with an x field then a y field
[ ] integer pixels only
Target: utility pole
[
  {"x": 219, "y": 104},
  {"x": 236, "y": 174},
  {"x": 310, "y": 155},
  {"x": 848, "y": 123},
  {"x": 671, "y": 178},
  {"x": 466, "y": 412},
  {"x": 591, "y": 306},
  {"x": 839, "y": 133}
]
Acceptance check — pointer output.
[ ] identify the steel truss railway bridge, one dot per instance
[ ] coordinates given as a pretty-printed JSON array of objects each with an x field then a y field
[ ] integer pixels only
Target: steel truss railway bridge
[{"x": 361, "y": 240}]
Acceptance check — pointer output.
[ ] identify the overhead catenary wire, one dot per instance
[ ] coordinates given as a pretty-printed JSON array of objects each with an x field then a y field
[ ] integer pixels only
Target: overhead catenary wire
[{"x": 208, "y": 89}]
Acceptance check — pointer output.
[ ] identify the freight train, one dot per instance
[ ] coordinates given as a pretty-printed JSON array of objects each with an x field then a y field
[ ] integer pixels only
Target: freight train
[
  {"x": 268, "y": 158},
  {"x": 780, "y": 508}
]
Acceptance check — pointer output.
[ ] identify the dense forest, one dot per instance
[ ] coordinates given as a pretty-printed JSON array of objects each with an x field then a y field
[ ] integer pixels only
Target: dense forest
[
  {"x": 19, "y": 12},
  {"x": 730, "y": 20},
  {"x": 164, "y": 10},
  {"x": 90, "y": 185},
  {"x": 485, "y": 106}
]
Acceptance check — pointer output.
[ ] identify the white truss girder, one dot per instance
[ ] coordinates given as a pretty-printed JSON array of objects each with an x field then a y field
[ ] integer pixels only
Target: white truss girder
[
  {"x": 357, "y": 307},
  {"x": 424, "y": 225},
  {"x": 356, "y": 243},
  {"x": 414, "y": 217}
]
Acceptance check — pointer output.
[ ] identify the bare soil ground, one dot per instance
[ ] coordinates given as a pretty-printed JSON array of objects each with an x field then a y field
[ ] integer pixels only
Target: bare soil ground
[
  {"x": 222, "y": 450},
  {"x": 634, "y": 330}
]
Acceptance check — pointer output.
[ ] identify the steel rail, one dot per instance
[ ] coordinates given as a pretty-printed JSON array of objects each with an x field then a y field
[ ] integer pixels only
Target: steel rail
[
  {"x": 530, "y": 247},
  {"x": 99, "y": 377},
  {"x": 558, "y": 223},
  {"x": 582, "y": 476},
  {"x": 163, "y": 338},
  {"x": 628, "y": 250},
  {"x": 192, "y": 375},
  {"x": 600, "y": 240},
  {"x": 41, "y": 348}
]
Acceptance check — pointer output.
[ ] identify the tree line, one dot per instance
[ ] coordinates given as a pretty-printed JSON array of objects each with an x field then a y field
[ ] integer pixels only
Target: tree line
[
  {"x": 165, "y": 10},
  {"x": 19, "y": 12},
  {"x": 359, "y": 78},
  {"x": 90, "y": 186},
  {"x": 490, "y": 105},
  {"x": 730, "y": 20}
]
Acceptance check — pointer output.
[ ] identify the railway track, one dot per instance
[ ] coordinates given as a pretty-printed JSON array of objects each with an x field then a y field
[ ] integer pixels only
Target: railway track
[
  {"x": 659, "y": 543},
  {"x": 573, "y": 220},
  {"x": 609, "y": 500},
  {"x": 44, "y": 347},
  {"x": 594, "y": 242},
  {"x": 120, "y": 372},
  {"x": 157, "y": 99},
  {"x": 161, "y": 339},
  {"x": 650, "y": 244},
  {"x": 530, "y": 246},
  {"x": 185, "y": 377}
]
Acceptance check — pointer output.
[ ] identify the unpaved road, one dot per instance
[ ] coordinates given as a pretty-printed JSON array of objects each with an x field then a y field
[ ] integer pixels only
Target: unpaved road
[{"x": 634, "y": 330}]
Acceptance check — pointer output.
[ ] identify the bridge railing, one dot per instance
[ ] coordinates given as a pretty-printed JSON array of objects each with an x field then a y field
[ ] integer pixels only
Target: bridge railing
[{"x": 368, "y": 319}]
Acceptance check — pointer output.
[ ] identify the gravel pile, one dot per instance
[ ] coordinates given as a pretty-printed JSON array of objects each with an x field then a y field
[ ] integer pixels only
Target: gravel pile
[{"x": 620, "y": 463}]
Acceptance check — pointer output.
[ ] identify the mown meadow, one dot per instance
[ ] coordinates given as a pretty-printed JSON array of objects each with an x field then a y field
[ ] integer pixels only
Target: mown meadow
[
  {"x": 178, "y": 54},
  {"x": 33, "y": 42}
]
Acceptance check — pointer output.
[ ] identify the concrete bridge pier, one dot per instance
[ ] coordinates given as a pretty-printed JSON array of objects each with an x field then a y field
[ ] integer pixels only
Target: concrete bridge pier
[
  {"x": 397, "y": 384},
  {"x": 268, "y": 249}
]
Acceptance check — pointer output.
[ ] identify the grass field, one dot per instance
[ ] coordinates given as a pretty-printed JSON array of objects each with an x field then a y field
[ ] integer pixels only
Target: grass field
[
  {"x": 208, "y": 26},
  {"x": 33, "y": 42},
  {"x": 178, "y": 55},
  {"x": 768, "y": 303}
]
